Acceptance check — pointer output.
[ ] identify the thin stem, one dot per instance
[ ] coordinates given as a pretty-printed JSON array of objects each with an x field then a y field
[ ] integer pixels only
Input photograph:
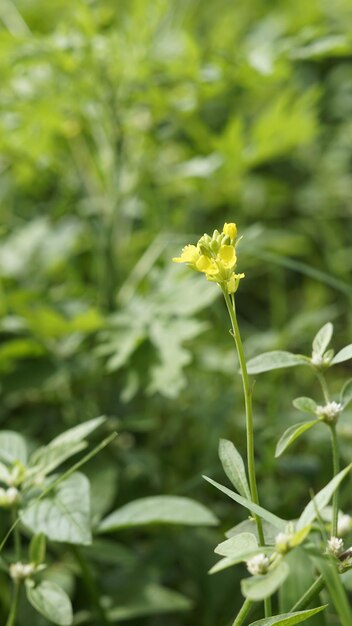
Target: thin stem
[
  {"x": 336, "y": 469},
  {"x": 16, "y": 535},
  {"x": 324, "y": 386},
  {"x": 249, "y": 412},
  {"x": 267, "y": 607},
  {"x": 11, "y": 620},
  {"x": 246, "y": 607},
  {"x": 309, "y": 595}
]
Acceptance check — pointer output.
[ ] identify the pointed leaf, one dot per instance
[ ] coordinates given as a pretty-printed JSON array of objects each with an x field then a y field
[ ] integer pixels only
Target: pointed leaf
[
  {"x": 51, "y": 601},
  {"x": 229, "y": 561},
  {"x": 336, "y": 589},
  {"x": 307, "y": 405},
  {"x": 254, "y": 508},
  {"x": 289, "y": 619},
  {"x": 64, "y": 514},
  {"x": 78, "y": 433},
  {"x": 260, "y": 587},
  {"x": 274, "y": 360},
  {"x": 346, "y": 393},
  {"x": 37, "y": 549},
  {"x": 321, "y": 499},
  {"x": 322, "y": 339},
  {"x": 291, "y": 434},
  {"x": 234, "y": 467},
  {"x": 159, "y": 510},
  {"x": 237, "y": 545},
  {"x": 344, "y": 355}
]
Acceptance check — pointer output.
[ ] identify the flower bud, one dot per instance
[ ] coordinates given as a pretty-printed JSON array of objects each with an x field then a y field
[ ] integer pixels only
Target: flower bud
[
  {"x": 334, "y": 546},
  {"x": 258, "y": 565},
  {"x": 20, "y": 571},
  {"x": 330, "y": 412}
]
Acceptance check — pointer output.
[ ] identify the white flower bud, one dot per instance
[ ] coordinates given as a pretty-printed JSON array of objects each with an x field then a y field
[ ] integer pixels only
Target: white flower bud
[
  {"x": 330, "y": 412},
  {"x": 282, "y": 542},
  {"x": 334, "y": 546},
  {"x": 344, "y": 524},
  {"x": 20, "y": 571},
  {"x": 258, "y": 564},
  {"x": 317, "y": 360},
  {"x": 12, "y": 495}
]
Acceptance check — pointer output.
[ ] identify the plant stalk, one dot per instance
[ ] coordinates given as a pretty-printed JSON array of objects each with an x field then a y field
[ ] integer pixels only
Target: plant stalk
[
  {"x": 249, "y": 412},
  {"x": 241, "y": 616},
  {"x": 11, "y": 620},
  {"x": 309, "y": 595},
  {"x": 336, "y": 469}
]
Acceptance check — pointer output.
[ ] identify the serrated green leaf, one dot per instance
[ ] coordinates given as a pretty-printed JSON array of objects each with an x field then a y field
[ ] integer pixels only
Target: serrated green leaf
[
  {"x": 254, "y": 508},
  {"x": 289, "y": 619},
  {"x": 344, "y": 355},
  {"x": 260, "y": 587},
  {"x": 12, "y": 447},
  {"x": 321, "y": 499},
  {"x": 322, "y": 339},
  {"x": 276, "y": 359},
  {"x": 64, "y": 514},
  {"x": 37, "y": 548},
  {"x": 51, "y": 601},
  {"x": 158, "y": 510},
  {"x": 291, "y": 434},
  {"x": 346, "y": 393},
  {"x": 234, "y": 468},
  {"x": 307, "y": 405}
]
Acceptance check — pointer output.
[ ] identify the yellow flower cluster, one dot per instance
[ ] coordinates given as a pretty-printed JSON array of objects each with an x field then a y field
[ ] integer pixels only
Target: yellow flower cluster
[{"x": 215, "y": 257}]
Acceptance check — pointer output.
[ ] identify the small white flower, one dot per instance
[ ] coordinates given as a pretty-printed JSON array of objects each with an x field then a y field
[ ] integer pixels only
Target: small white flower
[
  {"x": 282, "y": 542},
  {"x": 258, "y": 564},
  {"x": 334, "y": 546},
  {"x": 317, "y": 360},
  {"x": 20, "y": 571},
  {"x": 330, "y": 411},
  {"x": 344, "y": 524}
]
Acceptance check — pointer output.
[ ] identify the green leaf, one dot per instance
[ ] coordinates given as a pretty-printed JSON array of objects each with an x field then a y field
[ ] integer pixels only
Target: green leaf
[
  {"x": 237, "y": 545},
  {"x": 51, "y": 601},
  {"x": 344, "y": 355},
  {"x": 12, "y": 447},
  {"x": 254, "y": 508},
  {"x": 260, "y": 587},
  {"x": 336, "y": 589},
  {"x": 151, "y": 600},
  {"x": 346, "y": 393},
  {"x": 275, "y": 360},
  {"x": 289, "y": 619},
  {"x": 64, "y": 514},
  {"x": 307, "y": 405},
  {"x": 234, "y": 467},
  {"x": 321, "y": 499},
  {"x": 322, "y": 339},
  {"x": 291, "y": 434},
  {"x": 159, "y": 510},
  {"x": 229, "y": 561},
  {"x": 37, "y": 549}
]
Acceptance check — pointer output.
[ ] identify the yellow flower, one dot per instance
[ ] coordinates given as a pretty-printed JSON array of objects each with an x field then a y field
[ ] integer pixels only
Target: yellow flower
[
  {"x": 190, "y": 255},
  {"x": 206, "y": 265},
  {"x": 230, "y": 230},
  {"x": 233, "y": 282},
  {"x": 226, "y": 257}
]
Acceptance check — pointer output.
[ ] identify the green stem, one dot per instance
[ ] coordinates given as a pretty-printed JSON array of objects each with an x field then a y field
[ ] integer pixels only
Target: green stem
[
  {"x": 267, "y": 607},
  {"x": 309, "y": 595},
  {"x": 91, "y": 586},
  {"x": 336, "y": 469},
  {"x": 16, "y": 535},
  {"x": 249, "y": 412},
  {"x": 11, "y": 621},
  {"x": 324, "y": 386},
  {"x": 246, "y": 607}
]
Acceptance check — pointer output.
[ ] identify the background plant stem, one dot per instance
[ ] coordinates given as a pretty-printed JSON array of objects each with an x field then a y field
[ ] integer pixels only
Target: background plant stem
[
  {"x": 246, "y": 607},
  {"x": 11, "y": 621},
  {"x": 336, "y": 469}
]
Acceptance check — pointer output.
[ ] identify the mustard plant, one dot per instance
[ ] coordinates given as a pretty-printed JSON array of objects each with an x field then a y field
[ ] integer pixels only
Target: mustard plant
[{"x": 264, "y": 541}]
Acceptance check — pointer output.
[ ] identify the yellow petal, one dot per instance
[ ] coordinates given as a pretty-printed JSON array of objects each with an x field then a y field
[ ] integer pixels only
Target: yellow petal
[
  {"x": 207, "y": 265},
  {"x": 230, "y": 230},
  {"x": 189, "y": 254},
  {"x": 233, "y": 282},
  {"x": 227, "y": 256}
]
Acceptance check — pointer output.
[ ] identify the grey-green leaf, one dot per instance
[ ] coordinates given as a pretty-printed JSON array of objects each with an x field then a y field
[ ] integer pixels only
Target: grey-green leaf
[
  {"x": 51, "y": 601},
  {"x": 321, "y": 499},
  {"x": 37, "y": 549},
  {"x": 274, "y": 360},
  {"x": 153, "y": 599},
  {"x": 289, "y": 619},
  {"x": 346, "y": 393},
  {"x": 237, "y": 545},
  {"x": 344, "y": 355},
  {"x": 322, "y": 339},
  {"x": 307, "y": 405},
  {"x": 64, "y": 514},
  {"x": 260, "y": 587},
  {"x": 291, "y": 434},
  {"x": 159, "y": 510},
  {"x": 234, "y": 467},
  {"x": 251, "y": 506},
  {"x": 12, "y": 447}
]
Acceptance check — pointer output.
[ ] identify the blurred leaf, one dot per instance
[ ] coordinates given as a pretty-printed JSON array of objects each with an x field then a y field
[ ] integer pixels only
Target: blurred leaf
[
  {"x": 234, "y": 467},
  {"x": 152, "y": 600},
  {"x": 12, "y": 447},
  {"x": 291, "y": 434},
  {"x": 344, "y": 355},
  {"x": 274, "y": 360},
  {"x": 307, "y": 405},
  {"x": 51, "y": 601},
  {"x": 289, "y": 619},
  {"x": 322, "y": 339},
  {"x": 260, "y": 587}
]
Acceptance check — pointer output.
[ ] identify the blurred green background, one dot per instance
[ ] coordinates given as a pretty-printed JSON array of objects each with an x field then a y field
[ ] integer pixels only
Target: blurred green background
[{"x": 128, "y": 129}]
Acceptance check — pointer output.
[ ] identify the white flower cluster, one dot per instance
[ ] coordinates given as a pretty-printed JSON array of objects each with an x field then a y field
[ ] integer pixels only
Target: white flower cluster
[
  {"x": 258, "y": 564},
  {"x": 334, "y": 546},
  {"x": 20, "y": 571},
  {"x": 344, "y": 524},
  {"x": 9, "y": 496},
  {"x": 330, "y": 412},
  {"x": 282, "y": 542}
]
